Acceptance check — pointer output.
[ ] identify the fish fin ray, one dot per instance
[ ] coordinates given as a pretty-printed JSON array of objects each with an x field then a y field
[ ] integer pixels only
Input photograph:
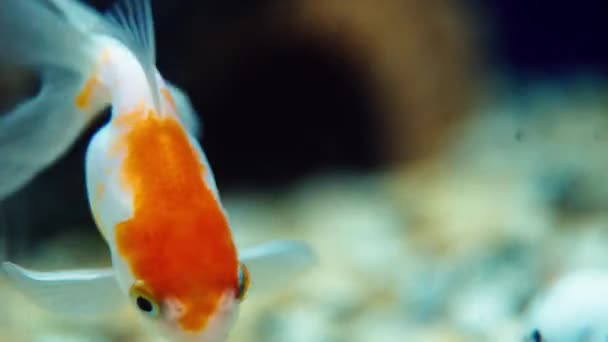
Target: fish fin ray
[
  {"x": 85, "y": 18},
  {"x": 133, "y": 25}
]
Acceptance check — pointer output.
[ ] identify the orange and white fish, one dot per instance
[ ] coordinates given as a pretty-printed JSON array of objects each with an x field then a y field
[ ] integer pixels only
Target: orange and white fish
[{"x": 150, "y": 187}]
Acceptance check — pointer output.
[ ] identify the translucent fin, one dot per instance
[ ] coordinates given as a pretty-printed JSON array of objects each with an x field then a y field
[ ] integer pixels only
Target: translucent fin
[
  {"x": 41, "y": 129},
  {"x": 134, "y": 26},
  {"x": 275, "y": 264},
  {"x": 81, "y": 16},
  {"x": 75, "y": 292},
  {"x": 33, "y": 34},
  {"x": 185, "y": 110}
]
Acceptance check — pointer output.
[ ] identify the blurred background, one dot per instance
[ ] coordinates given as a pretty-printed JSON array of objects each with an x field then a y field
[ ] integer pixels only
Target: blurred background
[{"x": 440, "y": 156}]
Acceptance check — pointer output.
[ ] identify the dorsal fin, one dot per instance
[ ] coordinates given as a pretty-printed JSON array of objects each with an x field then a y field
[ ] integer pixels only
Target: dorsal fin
[{"x": 133, "y": 25}]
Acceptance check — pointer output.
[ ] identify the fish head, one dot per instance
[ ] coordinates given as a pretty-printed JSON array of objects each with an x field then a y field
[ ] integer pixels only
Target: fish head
[{"x": 201, "y": 312}]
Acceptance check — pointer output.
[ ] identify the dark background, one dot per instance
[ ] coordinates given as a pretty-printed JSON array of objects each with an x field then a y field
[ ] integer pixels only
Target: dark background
[
  {"x": 275, "y": 113},
  {"x": 279, "y": 112},
  {"x": 540, "y": 38}
]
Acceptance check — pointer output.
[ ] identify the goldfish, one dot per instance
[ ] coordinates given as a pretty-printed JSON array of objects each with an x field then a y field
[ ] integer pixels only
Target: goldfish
[{"x": 150, "y": 187}]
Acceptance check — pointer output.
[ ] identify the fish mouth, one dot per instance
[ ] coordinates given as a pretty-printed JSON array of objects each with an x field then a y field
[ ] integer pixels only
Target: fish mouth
[{"x": 216, "y": 327}]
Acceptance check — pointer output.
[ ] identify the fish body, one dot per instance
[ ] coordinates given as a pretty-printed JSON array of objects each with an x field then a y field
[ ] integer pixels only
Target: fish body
[
  {"x": 150, "y": 187},
  {"x": 151, "y": 191}
]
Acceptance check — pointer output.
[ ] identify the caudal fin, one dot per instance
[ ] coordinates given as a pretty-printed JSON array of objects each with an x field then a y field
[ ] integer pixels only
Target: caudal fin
[{"x": 47, "y": 36}]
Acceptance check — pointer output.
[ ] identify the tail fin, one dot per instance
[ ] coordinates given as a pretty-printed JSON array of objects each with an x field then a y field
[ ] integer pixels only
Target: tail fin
[{"x": 47, "y": 37}]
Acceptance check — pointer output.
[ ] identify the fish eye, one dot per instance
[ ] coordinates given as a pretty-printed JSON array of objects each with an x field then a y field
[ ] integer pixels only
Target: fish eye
[
  {"x": 243, "y": 282},
  {"x": 144, "y": 301}
]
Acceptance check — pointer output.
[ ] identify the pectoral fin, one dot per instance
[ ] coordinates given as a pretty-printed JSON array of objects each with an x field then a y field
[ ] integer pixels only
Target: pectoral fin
[
  {"x": 72, "y": 292},
  {"x": 275, "y": 264}
]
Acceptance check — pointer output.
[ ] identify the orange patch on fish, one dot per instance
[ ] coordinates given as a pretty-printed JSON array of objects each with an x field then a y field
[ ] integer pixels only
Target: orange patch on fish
[
  {"x": 129, "y": 119},
  {"x": 105, "y": 56},
  {"x": 83, "y": 99},
  {"x": 178, "y": 240},
  {"x": 100, "y": 189},
  {"x": 169, "y": 98}
]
